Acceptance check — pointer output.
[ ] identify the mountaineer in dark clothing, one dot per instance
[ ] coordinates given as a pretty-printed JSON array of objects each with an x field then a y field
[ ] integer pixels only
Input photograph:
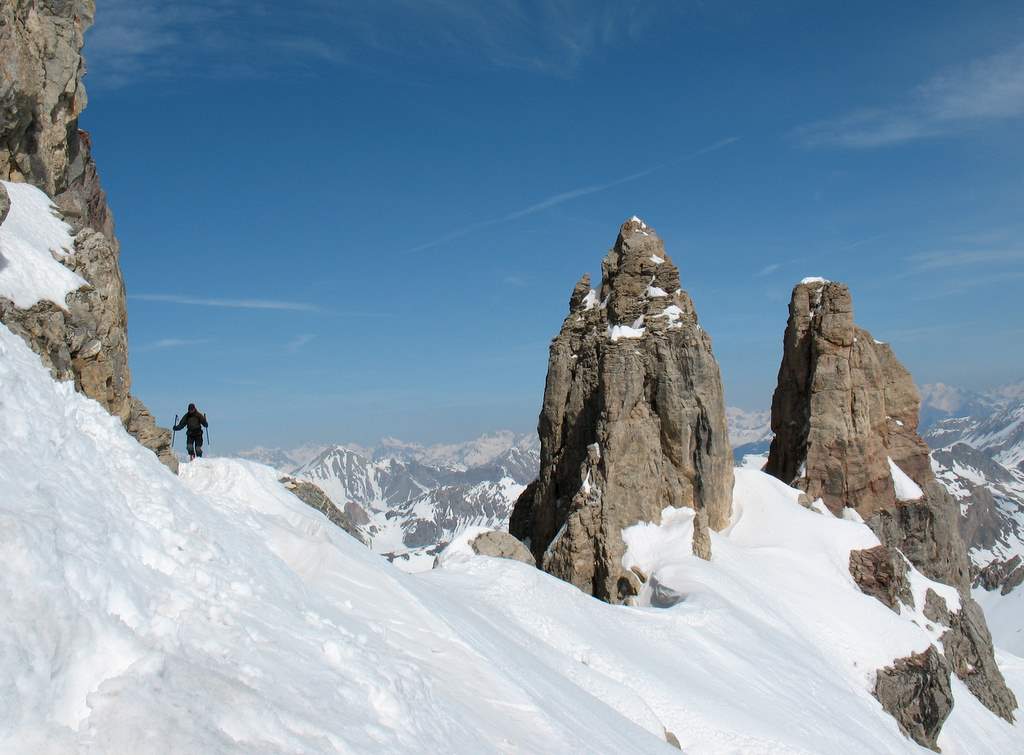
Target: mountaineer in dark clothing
[{"x": 195, "y": 421}]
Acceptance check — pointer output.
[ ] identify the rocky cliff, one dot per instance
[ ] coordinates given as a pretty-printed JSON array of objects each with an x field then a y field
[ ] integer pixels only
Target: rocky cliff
[
  {"x": 41, "y": 97},
  {"x": 633, "y": 421},
  {"x": 845, "y": 416}
]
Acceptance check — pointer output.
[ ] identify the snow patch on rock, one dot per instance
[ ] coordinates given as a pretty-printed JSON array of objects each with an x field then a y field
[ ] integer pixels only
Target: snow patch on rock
[{"x": 31, "y": 236}]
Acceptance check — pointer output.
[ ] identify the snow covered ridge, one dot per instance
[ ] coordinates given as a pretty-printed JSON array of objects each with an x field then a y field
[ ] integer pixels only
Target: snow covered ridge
[
  {"x": 31, "y": 236},
  {"x": 216, "y": 613}
]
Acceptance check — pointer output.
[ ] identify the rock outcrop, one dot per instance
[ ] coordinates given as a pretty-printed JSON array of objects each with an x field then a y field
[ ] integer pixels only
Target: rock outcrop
[
  {"x": 501, "y": 545},
  {"x": 882, "y": 573},
  {"x": 41, "y": 97},
  {"x": 315, "y": 498},
  {"x": 916, "y": 692},
  {"x": 845, "y": 416},
  {"x": 633, "y": 421},
  {"x": 1002, "y": 575}
]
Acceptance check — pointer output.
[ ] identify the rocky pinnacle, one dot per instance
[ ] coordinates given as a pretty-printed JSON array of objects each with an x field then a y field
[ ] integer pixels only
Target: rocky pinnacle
[
  {"x": 845, "y": 416},
  {"x": 633, "y": 421}
]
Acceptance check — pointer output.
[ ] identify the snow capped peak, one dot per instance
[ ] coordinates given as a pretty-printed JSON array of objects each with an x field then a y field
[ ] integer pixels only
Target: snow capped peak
[
  {"x": 814, "y": 279},
  {"x": 635, "y": 225}
]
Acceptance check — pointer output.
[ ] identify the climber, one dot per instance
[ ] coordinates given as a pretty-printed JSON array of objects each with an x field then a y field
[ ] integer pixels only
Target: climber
[{"x": 195, "y": 421}]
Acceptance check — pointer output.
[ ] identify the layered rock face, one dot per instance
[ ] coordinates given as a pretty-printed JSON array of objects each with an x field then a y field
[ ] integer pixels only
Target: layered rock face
[
  {"x": 41, "y": 97},
  {"x": 845, "y": 416},
  {"x": 633, "y": 420}
]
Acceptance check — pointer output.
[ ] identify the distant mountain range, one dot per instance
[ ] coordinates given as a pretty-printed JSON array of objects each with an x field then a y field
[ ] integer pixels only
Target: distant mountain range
[
  {"x": 977, "y": 441},
  {"x": 409, "y": 499}
]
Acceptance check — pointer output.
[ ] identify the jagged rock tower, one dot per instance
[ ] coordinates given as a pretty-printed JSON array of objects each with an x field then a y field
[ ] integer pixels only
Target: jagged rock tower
[
  {"x": 633, "y": 421},
  {"x": 41, "y": 97},
  {"x": 845, "y": 416}
]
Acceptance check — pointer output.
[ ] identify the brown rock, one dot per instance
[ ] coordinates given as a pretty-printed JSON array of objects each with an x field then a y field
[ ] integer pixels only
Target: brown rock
[
  {"x": 315, "y": 498},
  {"x": 844, "y": 406},
  {"x": 701, "y": 536},
  {"x": 882, "y": 573},
  {"x": 633, "y": 420}
]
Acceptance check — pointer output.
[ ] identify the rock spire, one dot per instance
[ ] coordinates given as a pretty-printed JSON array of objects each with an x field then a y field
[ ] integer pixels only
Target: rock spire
[
  {"x": 633, "y": 420},
  {"x": 845, "y": 417}
]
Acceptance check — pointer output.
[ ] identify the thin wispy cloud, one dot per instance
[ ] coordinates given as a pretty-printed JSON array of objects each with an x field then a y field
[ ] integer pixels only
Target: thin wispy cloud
[
  {"x": 173, "y": 343},
  {"x": 943, "y": 260},
  {"x": 767, "y": 270},
  {"x": 137, "y": 39},
  {"x": 565, "y": 196},
  {"x": 299, "y": 341},
  {"x": 962, "y": 285},
  {"x": 292, "y": 306},
  {"x": 984, "y": 90}
]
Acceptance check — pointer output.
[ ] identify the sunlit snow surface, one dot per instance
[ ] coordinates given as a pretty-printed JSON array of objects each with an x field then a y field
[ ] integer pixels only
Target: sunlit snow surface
[
  {"x": 216, "y": 613},
  {"x": 30, "y": 235}
]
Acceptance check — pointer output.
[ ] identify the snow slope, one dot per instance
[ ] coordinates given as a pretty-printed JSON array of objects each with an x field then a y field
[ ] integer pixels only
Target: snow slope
[
  {"x": 216, "y": 613},
  {"x": 30, "y": 236}
]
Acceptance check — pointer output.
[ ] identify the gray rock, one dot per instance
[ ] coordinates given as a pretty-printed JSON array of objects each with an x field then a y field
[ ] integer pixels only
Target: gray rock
[
  {"x": 41, "y": 97},
  {"x": 315, "y": 498},
  {"x": 968, "y": 647},
  {"x": 935, "y": 608},
  {"x": 628, "y": 425},
  {"x": 916, "y": 692},
  {"x": 882, "y": 573},
  {"x": 1001, "y": 575},
  {"x": 501, "y": 545},
  {"x": 844, "y": 406},
  {"x": 701, "y": 536}
]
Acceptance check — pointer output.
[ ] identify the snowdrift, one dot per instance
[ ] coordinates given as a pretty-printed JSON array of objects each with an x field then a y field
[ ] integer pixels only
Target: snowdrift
[{"x": 217, "y": 613}]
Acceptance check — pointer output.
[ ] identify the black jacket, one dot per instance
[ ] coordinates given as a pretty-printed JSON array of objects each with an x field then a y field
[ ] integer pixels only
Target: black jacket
[{"x": 195, "y": 421}]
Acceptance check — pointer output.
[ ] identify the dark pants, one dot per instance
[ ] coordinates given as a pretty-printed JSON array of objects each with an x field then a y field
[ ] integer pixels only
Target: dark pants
[{"x": 194, "y": 443}]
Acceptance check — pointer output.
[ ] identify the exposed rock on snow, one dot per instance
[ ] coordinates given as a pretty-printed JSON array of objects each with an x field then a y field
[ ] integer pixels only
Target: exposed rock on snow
[
  {"x": 882, "y": 573},
  {"x": 968, "y": 647},
  {"x": 81, "y": 336},
  {"x": 501, "y": 545},
  {"x": 916, "y": 692},
  {"x": 313, "y": 496},
  {"x": 845, "y": 416},
  {"x": 629, "y": 425}
]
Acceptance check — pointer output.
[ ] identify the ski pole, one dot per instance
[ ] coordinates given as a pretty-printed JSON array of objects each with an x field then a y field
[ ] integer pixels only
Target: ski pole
[
  {"x": 173, "y": 430},
  {"x": 208, "y": 441}
]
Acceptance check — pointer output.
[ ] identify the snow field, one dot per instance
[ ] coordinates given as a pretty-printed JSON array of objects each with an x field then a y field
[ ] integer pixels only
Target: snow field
[{"x": 217, "y": 613}]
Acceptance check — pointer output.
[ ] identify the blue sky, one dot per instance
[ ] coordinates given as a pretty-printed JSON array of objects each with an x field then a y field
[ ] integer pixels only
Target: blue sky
[{"x": 340, "y": 221}]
